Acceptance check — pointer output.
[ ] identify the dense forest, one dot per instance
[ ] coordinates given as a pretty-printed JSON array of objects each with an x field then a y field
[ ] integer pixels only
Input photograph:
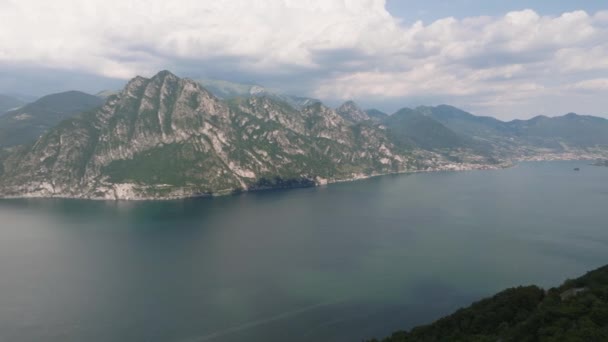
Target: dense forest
[{"x": 574, "y": 311}]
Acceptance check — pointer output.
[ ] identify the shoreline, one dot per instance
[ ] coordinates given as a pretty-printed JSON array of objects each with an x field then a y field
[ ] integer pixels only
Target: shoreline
[{"x": 319, "y": 182}]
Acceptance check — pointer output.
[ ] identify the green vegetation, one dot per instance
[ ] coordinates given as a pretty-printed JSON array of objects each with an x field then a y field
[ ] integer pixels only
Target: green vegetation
[
  {"x": 175, "y": 164},
  {"x": 571, "y": 130},
  {"x": 26, "y": 124},
  {"x": 410, "y": 128},
  {"x": 575, "y": 311}
]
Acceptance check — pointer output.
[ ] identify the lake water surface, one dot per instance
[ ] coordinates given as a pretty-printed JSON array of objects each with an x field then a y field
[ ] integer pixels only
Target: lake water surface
[{"x": 340, "y": 263}]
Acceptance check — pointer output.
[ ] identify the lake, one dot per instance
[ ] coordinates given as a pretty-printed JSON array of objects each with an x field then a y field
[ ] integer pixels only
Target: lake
[{"x": 339, "y": 263}]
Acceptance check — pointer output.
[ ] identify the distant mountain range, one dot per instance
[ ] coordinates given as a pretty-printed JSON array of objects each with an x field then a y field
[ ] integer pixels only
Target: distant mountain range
[
  {"x": 167, "y": 137},
  {"x": 229, "y": 90},
  {"x": 27, "y": 123},
  {"x": 377, "y": 114},
  {"x": 561, "y": 133}
]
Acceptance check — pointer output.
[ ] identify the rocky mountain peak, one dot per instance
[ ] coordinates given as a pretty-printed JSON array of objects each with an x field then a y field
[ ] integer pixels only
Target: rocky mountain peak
[
  {"x": 165, "y": 74},
  {"x": 134, "y": 85},
  {"x": 351, "y": 112},
  {"x": 350, "y": 104}
]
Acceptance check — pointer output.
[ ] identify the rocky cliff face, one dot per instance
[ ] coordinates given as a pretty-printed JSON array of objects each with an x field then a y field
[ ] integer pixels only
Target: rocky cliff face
[{"x": 167, "y": 137}]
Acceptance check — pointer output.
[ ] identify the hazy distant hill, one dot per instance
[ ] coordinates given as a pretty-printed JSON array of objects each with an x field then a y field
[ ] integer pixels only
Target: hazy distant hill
[
  {"x": 8, "y": 102},
  {"x": 104, "y": 94},
  {"x": 411, "y": 128},
  {"x": 350, "y": 111},
  {"x": 570, "y": 130},
  {"x": 27, "y": 123},
  {"x": 575, "y": 311},
  {"x": 560, "y": 133},
  {"x": 376, "y": 114},
  {"x": 467, "y": 123},
  {"x": 228, "y": 90}
]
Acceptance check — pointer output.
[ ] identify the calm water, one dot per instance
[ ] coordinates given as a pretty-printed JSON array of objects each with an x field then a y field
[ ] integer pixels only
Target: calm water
[{"x": 341, "y": 263}]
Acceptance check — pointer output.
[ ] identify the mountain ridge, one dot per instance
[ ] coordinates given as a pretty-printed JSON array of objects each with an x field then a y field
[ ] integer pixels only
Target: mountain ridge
[
  {"x": 350, "y": 111},
  {"x": 229, "y": 90},
  {"x": 23, "y": 125},
  {"x": 525, "y": 137},
  {"x": 167, "y": 137}
]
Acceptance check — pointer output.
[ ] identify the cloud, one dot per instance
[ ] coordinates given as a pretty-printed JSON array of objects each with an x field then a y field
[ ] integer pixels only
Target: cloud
[
  {"x": 500, "y": 66},
  {"x": 332, "y": 49},
  {"x": 119, "y": 38},
  {"x": 594, "y": 85}
]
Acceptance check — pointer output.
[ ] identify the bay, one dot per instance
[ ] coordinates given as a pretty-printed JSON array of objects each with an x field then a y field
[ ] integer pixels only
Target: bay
[{"x": 339, "y": 263}]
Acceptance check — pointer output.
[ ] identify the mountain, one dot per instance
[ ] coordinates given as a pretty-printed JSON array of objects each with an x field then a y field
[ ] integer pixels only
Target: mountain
[
  {"x": 229, "y": 90},
  {"x": 574, "y": 311},
  {"x": 26, "y": 124},
  {"x": 351, "y": 112},
  {"x": 481, "y": 127},
  {"x": 375, "y": 114},
  {"x": 8, "y": 102},
  {"x": 562, "y": 133},
  {"x": 411, "y": 128},
  {"x": 167, "y": 137},
  {"x": 570, "y": 130}
]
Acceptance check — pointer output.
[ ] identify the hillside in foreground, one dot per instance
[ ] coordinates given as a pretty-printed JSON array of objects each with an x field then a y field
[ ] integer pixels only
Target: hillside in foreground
[{"x": 575, "y": 311}]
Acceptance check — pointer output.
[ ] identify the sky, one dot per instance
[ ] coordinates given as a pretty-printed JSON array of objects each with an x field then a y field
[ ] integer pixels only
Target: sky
[{"x": 514, "y": 59}]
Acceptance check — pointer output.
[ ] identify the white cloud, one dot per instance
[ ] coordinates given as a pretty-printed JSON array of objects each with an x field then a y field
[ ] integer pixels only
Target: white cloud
[
  {"x": 598, "y": 84},
  {"x": 99, "y": 36},
  {"x": 335, "y": 49},
  {"x": 495, "y": 65},
  {"x": 573, "y": 59}
]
